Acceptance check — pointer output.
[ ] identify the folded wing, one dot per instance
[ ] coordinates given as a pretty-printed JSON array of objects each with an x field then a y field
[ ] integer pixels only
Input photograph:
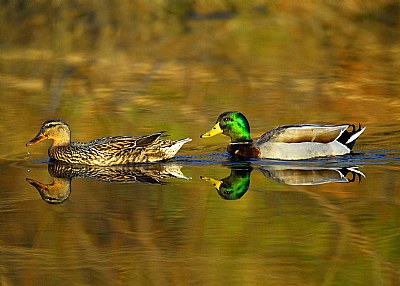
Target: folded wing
[{"x": 304, "y": 133}]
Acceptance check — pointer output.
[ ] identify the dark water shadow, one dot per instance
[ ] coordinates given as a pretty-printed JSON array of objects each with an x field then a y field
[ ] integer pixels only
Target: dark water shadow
[{"x": 372, "y": 157}]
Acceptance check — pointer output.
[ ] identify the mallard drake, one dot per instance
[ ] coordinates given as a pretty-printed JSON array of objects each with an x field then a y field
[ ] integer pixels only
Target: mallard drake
[
  {"x": 289, "y": 142},
  {"x": 106, "y": 151}
]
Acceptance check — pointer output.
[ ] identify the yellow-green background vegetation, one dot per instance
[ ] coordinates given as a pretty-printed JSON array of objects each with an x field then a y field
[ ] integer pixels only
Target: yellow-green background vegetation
[{"x": 136, "y": 67}]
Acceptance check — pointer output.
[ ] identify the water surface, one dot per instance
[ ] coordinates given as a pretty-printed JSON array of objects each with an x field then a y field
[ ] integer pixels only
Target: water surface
[{"x": 200, "y": 218}]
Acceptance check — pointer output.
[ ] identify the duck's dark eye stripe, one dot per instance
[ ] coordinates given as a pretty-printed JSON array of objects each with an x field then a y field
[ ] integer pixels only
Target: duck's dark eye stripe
[{"x": 53, "y": 124}]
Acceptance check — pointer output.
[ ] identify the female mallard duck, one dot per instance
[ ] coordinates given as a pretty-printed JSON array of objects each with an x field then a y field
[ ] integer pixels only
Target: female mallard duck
[
  {"x": 106, "y": 151},
  {"x": 289, "y": 142}
]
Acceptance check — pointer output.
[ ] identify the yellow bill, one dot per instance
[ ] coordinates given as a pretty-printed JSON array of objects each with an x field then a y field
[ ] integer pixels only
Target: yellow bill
[
  {"x": 214, "y": 182},
  {"x": 214, "y": 131}
]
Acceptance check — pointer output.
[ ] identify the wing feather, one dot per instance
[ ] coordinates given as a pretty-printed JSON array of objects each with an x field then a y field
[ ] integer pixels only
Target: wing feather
[
  {"x": 118, "y": 143},
  {"x": 304, "y": 133}
]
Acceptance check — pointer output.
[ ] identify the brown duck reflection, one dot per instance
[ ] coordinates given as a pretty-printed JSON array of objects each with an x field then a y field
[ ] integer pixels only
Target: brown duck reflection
[
  {"x": 60, "y": 189},
  {"x": 237, "y": 183},
  {"x": 54, "y": 193}
]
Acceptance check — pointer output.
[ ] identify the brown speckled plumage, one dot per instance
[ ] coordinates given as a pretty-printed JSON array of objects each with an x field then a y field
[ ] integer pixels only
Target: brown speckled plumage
[
  {"x": 60, "y": 189},
  {"x": 106, "y": 151}
]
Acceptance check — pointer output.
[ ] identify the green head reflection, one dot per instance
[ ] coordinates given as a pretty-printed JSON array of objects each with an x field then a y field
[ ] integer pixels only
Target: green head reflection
[{"x": 234, "y": 186}]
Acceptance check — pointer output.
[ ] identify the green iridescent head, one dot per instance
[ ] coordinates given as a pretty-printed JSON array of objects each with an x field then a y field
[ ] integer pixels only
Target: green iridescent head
[
  {"x": 233, "y": 124},
  {"x": 234, "y": 186}
]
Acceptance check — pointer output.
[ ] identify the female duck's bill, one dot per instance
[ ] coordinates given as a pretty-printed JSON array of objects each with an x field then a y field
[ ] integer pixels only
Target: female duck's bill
[{"x": 38, "y": 138}]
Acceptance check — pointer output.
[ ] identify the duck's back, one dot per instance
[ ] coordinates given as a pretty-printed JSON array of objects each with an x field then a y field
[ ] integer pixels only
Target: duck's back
[
  {"x": 304, "y": 133},
  {"x": 304, "y": 141},
  {"x": 105, "y": 151},
  {"x": 118, "y": 150}
]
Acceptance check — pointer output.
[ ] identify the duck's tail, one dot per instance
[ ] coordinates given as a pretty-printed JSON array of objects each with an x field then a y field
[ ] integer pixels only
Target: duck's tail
[
  {"x": 349, "y": 138},
  {"x": 174, "y": 148}
]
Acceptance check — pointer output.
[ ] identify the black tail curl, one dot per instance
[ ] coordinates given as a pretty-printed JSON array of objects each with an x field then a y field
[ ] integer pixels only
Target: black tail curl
[{"x": 347, "y": 135}]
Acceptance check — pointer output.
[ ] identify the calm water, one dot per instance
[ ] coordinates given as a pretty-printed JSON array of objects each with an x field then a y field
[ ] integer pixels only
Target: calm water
[{"x": 202, "y": 218}]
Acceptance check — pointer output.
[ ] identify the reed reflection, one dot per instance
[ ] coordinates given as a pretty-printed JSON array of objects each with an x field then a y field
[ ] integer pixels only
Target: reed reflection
[
  {"x": 237, "y": 183},
  {"x": 60, "y": 189}
]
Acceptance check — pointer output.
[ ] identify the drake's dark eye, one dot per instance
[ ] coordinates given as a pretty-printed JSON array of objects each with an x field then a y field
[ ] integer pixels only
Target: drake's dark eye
[{"x": 226, "y": 119}]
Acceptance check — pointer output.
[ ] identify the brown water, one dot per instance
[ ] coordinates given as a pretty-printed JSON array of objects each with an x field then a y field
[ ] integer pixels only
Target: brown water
[{"x": 333, "y": 221}]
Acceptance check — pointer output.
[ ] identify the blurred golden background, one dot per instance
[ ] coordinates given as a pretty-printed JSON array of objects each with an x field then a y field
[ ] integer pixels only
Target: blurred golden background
[{"x": 136, "y": 67}]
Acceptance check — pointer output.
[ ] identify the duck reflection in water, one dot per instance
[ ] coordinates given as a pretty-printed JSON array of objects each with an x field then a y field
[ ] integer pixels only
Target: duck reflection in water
[
  {"x": 234, "y": 186},
  {"x": 60, "y": 189},
  {"x": 54, "y": 193},
  {"x": 238, "y": 182}
]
